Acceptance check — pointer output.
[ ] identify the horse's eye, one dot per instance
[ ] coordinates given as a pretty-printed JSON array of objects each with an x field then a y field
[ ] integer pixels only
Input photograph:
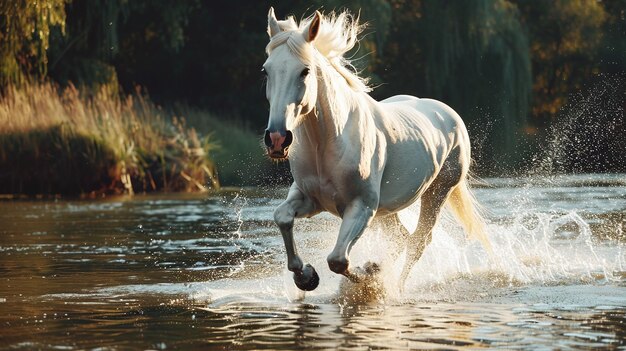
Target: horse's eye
[{"x": 304, "y": 73}]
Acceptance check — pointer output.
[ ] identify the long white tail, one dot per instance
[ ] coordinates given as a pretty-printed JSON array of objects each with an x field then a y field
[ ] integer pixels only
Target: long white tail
[{"x": 469, "y": 213}]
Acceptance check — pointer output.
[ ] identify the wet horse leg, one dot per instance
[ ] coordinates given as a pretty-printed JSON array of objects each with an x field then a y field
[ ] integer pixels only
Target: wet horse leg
[
  {"x": 355, "y": 219},
  {"x": 400, "y": 234},
  {"x": 432, "y": 202},
  {"x": 450, "y": 175},
  {"x": 395, "y": 234},
  {"x": 297, "y": 205}
]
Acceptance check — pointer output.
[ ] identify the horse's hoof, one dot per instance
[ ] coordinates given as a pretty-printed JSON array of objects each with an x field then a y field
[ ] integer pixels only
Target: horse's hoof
[
  {"x": 371, "y": 268},
  {"x": 308, "y": 279}
]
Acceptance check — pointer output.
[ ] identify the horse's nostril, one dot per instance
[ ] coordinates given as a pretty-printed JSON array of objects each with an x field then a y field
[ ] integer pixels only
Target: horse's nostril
[
  {"x": 288, "y": 139},
  {"x": 268, "y": 140}
]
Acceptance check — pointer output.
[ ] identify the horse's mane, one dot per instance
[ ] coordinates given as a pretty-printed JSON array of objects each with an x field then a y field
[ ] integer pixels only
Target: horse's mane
[{"x": 338, "y": 34}]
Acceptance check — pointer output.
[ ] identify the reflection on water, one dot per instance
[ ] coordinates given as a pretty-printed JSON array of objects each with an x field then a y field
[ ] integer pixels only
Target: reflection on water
[{"x": 192, "y": 271}]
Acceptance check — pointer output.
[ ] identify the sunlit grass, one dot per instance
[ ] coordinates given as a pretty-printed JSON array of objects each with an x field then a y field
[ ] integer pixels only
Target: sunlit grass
[
  {"x": 241, "y": 157},
  {"x": 64, "y": 141}
]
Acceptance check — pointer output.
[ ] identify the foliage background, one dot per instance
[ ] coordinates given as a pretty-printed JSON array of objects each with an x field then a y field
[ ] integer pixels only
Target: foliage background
[{"x": 524, "y": 74}]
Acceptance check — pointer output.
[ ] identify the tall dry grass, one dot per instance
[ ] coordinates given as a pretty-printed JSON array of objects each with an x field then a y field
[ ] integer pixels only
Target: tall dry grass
[
  {"x": 67, "y": 141},
  {"x": 242, "y": 157}
]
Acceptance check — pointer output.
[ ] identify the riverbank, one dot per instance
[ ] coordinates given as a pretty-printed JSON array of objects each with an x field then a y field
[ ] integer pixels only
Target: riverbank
[{"x": 70, "y": 142}]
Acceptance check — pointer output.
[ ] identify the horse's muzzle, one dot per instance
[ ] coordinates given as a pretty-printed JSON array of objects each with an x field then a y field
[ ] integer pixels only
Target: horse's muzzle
[{"x": 277, "y": 143}]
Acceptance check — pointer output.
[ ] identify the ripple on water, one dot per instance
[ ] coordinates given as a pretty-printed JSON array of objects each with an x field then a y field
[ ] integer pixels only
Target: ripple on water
[{"x": 192, "y": 272}]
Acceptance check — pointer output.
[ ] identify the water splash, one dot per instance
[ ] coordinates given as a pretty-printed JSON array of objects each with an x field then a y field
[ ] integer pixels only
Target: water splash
[
  {"x": 533, "y": 248},
  {"x": 542, "y": 254},
  {"x": 238, "y": 204},
  {"x": 588, "y": 134}
]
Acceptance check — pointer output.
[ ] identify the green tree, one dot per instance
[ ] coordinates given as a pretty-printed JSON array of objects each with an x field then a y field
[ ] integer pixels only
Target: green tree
[
  {"x": 401, "y": 66},
  {"x": 564, "y": 39},
  {"x": 376, "y": 16},
  {"x": 25, "y": 27},
  {"x": 612, "y": 51},
  {"x": 473, "y": 55},
  {"x": 107, "y": 38}
]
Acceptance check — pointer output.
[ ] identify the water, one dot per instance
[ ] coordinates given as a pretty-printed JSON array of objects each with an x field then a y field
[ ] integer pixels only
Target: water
[{"x": 208, "y": 272}]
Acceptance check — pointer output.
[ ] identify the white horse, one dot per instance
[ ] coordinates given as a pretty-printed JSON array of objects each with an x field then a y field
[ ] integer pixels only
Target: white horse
[{"x": 352, "y": 156}]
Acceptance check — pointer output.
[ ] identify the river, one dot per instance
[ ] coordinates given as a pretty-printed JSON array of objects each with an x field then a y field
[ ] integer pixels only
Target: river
[{"x": 208, "y": 272}]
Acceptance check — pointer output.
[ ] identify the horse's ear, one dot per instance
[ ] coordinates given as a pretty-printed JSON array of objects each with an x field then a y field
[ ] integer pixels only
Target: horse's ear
[
  {"x": 313, "y": 29},
  {"x": 272, "y": 23}
]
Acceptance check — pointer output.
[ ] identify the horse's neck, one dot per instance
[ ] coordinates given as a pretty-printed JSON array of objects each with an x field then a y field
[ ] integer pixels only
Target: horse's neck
[{"x": 337, "y": 105}]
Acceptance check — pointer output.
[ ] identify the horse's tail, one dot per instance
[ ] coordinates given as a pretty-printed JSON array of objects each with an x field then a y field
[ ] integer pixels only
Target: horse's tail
[{"x": 469, "y": 213}]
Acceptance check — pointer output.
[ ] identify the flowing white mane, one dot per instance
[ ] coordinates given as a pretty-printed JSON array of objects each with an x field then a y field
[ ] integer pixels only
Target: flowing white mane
[{"x": 337, "y": 35}]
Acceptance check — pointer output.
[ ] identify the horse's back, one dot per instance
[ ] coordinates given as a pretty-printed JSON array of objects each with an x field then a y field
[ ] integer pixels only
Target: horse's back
[
  {"x": 432, "y": 109},
  {"x": 421, "y": 134},
  {"x": 399, "y": 98},
  {"x": 429, "y": 116}
]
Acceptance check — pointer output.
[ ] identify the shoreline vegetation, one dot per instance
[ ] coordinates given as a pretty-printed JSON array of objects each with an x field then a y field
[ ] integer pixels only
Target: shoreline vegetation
[
  {"x": 539, "y": 84},
  {"x": 80, "y": 142},
  {"x": 67, "y": 141}
]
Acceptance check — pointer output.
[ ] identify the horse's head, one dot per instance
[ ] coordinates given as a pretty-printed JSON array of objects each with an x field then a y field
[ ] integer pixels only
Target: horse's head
[{"x": 291, "y": 79}]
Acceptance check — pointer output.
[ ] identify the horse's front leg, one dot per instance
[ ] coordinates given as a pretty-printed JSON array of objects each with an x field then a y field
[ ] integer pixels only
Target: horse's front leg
[
  {"x": 355, "y": 219},
  {"x": 296, "y": 205}
]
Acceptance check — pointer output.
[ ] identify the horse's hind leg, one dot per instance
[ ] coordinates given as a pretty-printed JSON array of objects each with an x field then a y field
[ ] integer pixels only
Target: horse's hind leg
[
  {"x": 395, "y": 232},
  {"x": 450, "y": 175},
  {"x": 396, "y": 236},
  {"x": 431, "y": 205}
]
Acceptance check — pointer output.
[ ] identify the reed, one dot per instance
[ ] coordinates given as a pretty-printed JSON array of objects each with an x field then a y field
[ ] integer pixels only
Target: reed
[
  {"x": 241, "y": 156},
  {"x": 69, "y": 141}
]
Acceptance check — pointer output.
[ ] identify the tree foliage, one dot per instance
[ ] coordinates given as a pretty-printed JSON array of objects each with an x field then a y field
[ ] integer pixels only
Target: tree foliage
[
  {"x": 565, "y": 37},
  {"x": 477, "y": 60},
  {"x": 507, "y": 66},
  {"x": 25, "y": 31}
]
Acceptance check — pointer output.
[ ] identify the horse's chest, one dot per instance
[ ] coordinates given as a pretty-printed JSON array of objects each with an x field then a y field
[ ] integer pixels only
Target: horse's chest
[
  {"x": 329, "y": 183},
  {"x": 324, "y": 191}
]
